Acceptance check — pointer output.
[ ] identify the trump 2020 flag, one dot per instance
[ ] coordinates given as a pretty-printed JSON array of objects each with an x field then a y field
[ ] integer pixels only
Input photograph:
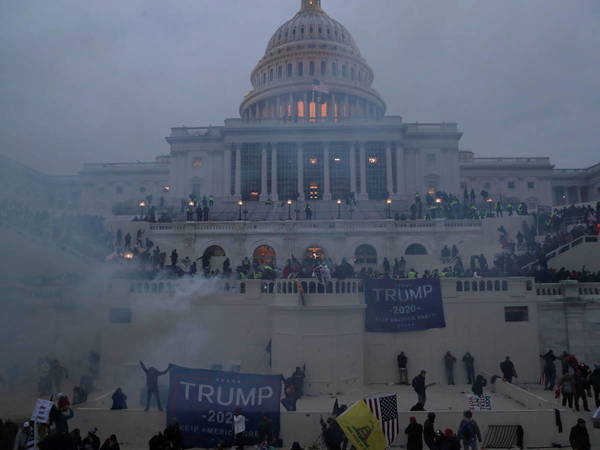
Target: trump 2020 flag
[
  {"x": 385, "y": 408},
  {"x": 362, "y": 428}
]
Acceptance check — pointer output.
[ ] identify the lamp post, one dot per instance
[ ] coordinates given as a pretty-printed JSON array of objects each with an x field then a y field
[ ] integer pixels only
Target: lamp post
[
  {"x": 438, "y": 202},
  {"x": 289, "y": 203},
  {"x": 339, "y": 203},
  {"x": 388, "y": 210},
  {"x": 490, "y": 206},
  {"x": 141, "y": 205},
  {"x": 240, "y": 204}
]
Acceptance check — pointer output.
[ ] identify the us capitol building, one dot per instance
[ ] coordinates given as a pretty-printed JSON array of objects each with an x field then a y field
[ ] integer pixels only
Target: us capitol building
[{"x": 314, "y": 128}]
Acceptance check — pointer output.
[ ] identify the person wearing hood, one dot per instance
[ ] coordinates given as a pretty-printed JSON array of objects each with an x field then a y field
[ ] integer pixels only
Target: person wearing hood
[
  {"x": 579, "y": 437},
  {"x": 429, "y": 431},
  {"x": 91, "y": 441},
  {"x": 119, "y": 400},
  {"x": 468, "y": 432},
  {"x": 414, "y": 433},
  {"x": 595, "y": 383}
]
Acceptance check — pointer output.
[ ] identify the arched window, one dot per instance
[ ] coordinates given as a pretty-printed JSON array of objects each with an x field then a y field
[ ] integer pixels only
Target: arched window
[
  {"x": 279, "y": 73},
  {"x": 290, "y": 70},
  {"x": 271, "y": 75},
  {"x": 323, "y": 68},
  {"x": 300, "y": 69},
  {"x": 213, "y": 258},
  {"x": 344, "y": 71},
  {"x": 416, "y": 249},
  {"x": 265, "y": 255},
  {"x": 365, "y": 254},
  {"x": 334, "y": 69},
  {"x": 311, "y": 68}
]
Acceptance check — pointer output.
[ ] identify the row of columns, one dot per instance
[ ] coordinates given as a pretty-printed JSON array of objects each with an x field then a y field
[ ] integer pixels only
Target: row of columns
[
  {"x": 362, "y": 188},
  {"x": 564, "y": 195}
]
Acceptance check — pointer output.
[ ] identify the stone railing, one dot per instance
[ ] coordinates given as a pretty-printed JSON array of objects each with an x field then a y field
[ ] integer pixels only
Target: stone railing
[
  {"x": 311, "y": 286},
  {"x": 296, "y": 226}
]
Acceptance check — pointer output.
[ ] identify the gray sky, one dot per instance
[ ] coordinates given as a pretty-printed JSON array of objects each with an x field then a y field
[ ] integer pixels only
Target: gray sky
[{"x": 104, "y": 80}]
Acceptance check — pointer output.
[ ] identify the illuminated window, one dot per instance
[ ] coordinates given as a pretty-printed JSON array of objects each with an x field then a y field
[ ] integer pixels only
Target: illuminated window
[
  {"x": 312, "y": 110},
  {"x": 197, "y": 162},
  {"x": 265, "y": 255},
  {"x": 300, "y": 106},
  {"x": 313, "y": 160},
  {"x": 314, "y": 253},
  {"x": 372, "y": 160},
  {"x": 166, "y": 188},
  {"x": 324, "y": 110}
]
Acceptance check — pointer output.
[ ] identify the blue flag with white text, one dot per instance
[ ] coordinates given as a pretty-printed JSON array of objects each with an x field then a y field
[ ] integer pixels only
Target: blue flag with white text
[
  {"x": 403, "y": 305},
  {"x": 203, "y": 402}
]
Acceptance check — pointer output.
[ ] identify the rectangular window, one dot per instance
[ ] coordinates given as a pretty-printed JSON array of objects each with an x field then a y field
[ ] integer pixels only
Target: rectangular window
[
  {"x": 311, "y": 68},
  {"x": 120, "y": 315},
  {"x": 300, "y": 69},
  {"x": 271, "y": 75},
  {"x": 290, "y": 70},
  {"x": 334, "y": 69},
  {"x": 431, "y": 157},
  {"x": 344, "y": 72},
  {"x": 323, "y": 68},
  {"x": 511, "y": 184},
  {"x": 530, "y": 185},
  {"x": 516, "y": 314},
  {"x": 279, "y": 73}
]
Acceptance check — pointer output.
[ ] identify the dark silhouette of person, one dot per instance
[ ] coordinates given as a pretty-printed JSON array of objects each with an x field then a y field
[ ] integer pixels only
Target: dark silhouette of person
[
  {"x": 478, "y": 385},
  {"x": 508, "y": 369},
  {"x": 469, "y": 362},
  {"x": 414, "y": 432},
  {"x": 119, "y": 400},
  {"x": 152, "y": 375},
  {"x": 174, "y": 257},
  {"x": 429, "y": 431},
  {"x": 172, "y": 435}
]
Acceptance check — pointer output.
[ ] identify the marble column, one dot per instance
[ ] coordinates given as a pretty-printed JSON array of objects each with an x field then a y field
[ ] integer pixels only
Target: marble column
[
  {"x": 326, "y": 173},
  {"x": 263, "y": 173},
  {"x": 352, "y": 156},
  {"x": 400, "y": 175},
  {"x": 389, "y": 169},
  {"x": 227, "y": 173},
  {"x": 274, "y": 195},
  {"x": 363, "y": 172},
  {"x": 300, "y": 161},
  {"x": 238, "y": 171}
]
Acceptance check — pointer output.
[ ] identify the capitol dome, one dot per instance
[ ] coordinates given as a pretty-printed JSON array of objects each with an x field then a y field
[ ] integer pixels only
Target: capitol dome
[{"x": 312, "y": 70}]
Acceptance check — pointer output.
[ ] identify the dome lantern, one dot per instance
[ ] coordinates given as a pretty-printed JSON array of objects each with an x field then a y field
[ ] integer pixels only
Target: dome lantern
[{"x": 311, "y": 4}]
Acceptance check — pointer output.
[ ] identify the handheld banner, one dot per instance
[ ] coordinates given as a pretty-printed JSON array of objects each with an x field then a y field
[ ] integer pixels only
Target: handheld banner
[
  {"x": 203, "y": 402},
  {"x": 362, "y": 428},
  {"x": 403, "y": 305}
]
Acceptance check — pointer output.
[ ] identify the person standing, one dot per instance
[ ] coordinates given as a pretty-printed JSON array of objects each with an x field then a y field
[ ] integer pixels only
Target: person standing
[
  {"x": 469, "y": 362},
  {"x": 468, "y": 432},
  {"x": 579, "y": 437},
  {"x": 429, "y": 431},
  {"x": 152, "y": 375},
  {"x": 549, "y": 370},
  {"x": 508, "y": 370},
  {"x": 239, "y": 428},
  {"x": 418, "y": 384},
  {"x": 581, "y": 387},
  {"x": 567, "y": 388},
  {"x": 449, "y": 361},
  {"x": 595, "y": 382},
  {"x": 91, "y": 441},
  {"x": 111, "y": 443},
  {"x": 478, "y": 385},
  {"x": 402, "y": 363},
  {"x": 414, "y": 432}
]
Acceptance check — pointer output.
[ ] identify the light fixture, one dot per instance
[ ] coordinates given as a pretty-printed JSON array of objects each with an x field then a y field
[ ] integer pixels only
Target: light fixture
[
  {"x": 313, "y": 160},
  {"x": 142, "y": 204},
  {"x": 339, "y": 202},
  {"x": 372, "y": 160},
  {"x": 389, "y": 201},
  {"x": 240, "y": 203},
  {"x": 128, "y": 255},
  {"x": 438, "y": 200},
  {"x": 337, "y": 159},
  {"x": 166, "y": 188},
  {"x": 191, "y": 203}
]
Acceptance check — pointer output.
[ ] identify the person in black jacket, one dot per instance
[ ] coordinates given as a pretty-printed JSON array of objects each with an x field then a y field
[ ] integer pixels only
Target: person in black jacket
[
  {"x": 402, "y": 363},
  {"x": 581, "y": 388},
  {"x": 152, "y": 375},
  {"x": 549, "y": 370},
  {"x": 478, "y": 385},
  {"x": 469, "y": 362},
  {"x": 449, "y": 361},
  {"x": 595, "y": 382},
  {"x": 508, "y": 369},
  {"x": 414, "y": 432},
  {"x": 418, "y": 384},
  {"x": 579, "y": 437},
  {"x": 429, "y": 431},
  {"x": 119, "y": 400}
]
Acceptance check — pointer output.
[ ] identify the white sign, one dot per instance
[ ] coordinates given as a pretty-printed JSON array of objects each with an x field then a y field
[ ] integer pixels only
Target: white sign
[{"x": 41, "y": 411}]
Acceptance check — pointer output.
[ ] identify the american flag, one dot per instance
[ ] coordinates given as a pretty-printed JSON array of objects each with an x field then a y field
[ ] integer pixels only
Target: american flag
[
  {"x": 385, "y": 408},
  {"x": 319, "y": 86}
]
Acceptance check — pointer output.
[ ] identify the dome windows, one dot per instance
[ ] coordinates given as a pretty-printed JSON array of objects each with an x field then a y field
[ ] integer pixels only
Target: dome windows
[
  {"x": 300, "y": 69},
  {"x": 311, "y": 68},
  {"x": 290, "y": 70},
  {"x": 279, "y": 73},
  {"x": 323, "y": 68},
  {"x": 334, "y": 69},
  {"x": 271, "y": 75},
  {"x": 344, "y": 71}
]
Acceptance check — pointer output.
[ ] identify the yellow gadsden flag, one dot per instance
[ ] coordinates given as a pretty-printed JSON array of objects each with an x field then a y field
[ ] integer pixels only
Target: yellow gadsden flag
[{"x": 362, "y": 428}]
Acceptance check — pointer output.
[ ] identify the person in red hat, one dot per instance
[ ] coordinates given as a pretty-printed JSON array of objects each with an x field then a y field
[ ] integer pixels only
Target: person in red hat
[{"x": 414, "y": 433}]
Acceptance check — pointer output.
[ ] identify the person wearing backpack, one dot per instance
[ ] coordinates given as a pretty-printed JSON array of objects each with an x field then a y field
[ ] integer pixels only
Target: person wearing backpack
[{"x": 468, "y": 432}]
